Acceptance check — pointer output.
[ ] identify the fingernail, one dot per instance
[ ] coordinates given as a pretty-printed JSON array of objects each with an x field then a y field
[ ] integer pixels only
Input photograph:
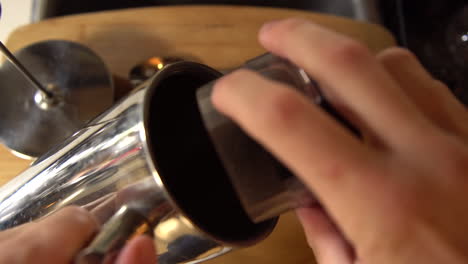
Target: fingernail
[{"x": 267, "y": 26}]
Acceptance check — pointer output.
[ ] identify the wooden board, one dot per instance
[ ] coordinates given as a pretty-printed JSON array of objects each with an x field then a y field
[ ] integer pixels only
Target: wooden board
[
  {"x": 222, "y": 37},
  {"x": 10, "y": 165}
]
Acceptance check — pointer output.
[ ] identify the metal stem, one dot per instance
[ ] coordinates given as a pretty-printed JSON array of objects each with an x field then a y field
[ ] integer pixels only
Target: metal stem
[{"x": 24, "y": 71}]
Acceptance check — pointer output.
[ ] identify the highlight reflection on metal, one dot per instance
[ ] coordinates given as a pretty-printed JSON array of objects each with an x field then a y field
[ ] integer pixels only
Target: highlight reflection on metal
[
  {"x": 79, "y": 88},
  {"x": 109, "y": 168},
  {"x": 464, "y": 37},
  {"x": 148, "y": 68}
]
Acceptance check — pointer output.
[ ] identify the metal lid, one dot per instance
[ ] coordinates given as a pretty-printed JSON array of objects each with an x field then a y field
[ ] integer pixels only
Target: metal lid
[{"x": 31, "y": 123}]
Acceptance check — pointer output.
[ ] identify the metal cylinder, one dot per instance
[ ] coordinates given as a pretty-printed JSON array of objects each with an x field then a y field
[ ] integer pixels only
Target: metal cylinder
[{"x": 146, "y": 162}]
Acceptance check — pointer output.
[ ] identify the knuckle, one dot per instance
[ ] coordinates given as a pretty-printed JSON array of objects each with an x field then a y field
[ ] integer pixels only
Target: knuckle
[
  {"x": 335, "y": 172},
  {"x": 348, "y": 52},
  {"x": 283, "y": 108}
]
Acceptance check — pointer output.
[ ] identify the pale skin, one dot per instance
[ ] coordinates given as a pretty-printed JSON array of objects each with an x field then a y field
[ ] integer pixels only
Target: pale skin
[
  {"x": 398, "y": 195},
  {"x": 58, "y": 238}
]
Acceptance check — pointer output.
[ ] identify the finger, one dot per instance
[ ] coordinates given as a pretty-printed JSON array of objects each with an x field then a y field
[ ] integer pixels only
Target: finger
[
  {"x": 431, "y": 96},
  {"x": 324, "y": 238},
  {"x": 56, "y": 239},
  {"x": 342, "y": 172},
  {"x": 353, "y": 78},
  {"x": 12, "y": 232},
  {"x": 139, "y": 250}
]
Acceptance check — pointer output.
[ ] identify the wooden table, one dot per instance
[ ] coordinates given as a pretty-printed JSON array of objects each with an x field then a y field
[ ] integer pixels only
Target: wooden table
[{"x": 222, "y": 37}]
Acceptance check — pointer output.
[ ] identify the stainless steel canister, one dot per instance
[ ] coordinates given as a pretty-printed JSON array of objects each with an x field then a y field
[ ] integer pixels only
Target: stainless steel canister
[{"x": 144, "y": 166}]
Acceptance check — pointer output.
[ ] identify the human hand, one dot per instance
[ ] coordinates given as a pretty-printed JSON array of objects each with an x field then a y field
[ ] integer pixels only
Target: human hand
[
  {"x": 397, "y": 195},
  {"x": 58, "y": 238}
]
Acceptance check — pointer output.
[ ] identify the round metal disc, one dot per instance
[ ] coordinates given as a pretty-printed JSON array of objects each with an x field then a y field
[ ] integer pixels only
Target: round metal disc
[{"x": 80, "y": 81}]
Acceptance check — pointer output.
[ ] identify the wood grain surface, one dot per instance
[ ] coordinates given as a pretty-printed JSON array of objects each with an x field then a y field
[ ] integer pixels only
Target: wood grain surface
[{"x": 220, "y": 36}]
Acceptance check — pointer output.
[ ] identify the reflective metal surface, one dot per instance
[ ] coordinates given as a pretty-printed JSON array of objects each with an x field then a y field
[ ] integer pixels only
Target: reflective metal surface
[
  {"x": 141, "y": 167},
  {"x": 81, "y": 88},
  {"x": 26, "y": 74},
  {"x": 145, "y": 70}
]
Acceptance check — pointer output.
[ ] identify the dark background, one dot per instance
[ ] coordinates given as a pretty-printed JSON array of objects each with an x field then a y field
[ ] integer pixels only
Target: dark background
[{"x": 432, "y": 29}]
